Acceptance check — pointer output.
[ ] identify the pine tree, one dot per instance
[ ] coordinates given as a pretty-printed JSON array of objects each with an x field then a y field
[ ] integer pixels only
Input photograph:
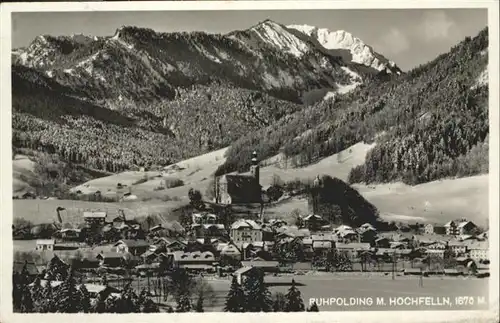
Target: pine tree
[
  {"x": 37, "y": 294},
  {"x": 183, "y": 304},
  {"x": 294, "y": 302},
  {"x": 49, "y": 299},
  {"x": 100, "y": 304},
  {"x": 235, "y": 301},
  {"x": 258, "y": 297},
  {"x": 84, "y": 299},
  {"x": 16, "y": 291},
  {"x": 199, "y": 303},
  {"x": 146, "y": 304},
  {"x": 128, "y": 302},
  {"x": 67, "y": 297},
  {"x": 313, "y": 308},
  {"x": 279, "y": 302}
]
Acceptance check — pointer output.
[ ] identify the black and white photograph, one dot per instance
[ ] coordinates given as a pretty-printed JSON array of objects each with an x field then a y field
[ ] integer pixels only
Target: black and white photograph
[{"x": 249, "y": 160}]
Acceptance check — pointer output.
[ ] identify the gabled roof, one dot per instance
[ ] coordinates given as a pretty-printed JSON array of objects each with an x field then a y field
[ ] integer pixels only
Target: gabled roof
[
  {"x": 353, "y": 246},
  {"x": 193, "y": 256},
  {"x": 464, "y": 223},
  {"x": 322, "y": 237},
  {"x": 368, "y": 226},
  {"x": 94, "y": 214},
  {"x": 110, "y": 255},
  {"x": 133, "y": 243},
  {"x": 260, "y": 263},
  {"x": 218, "y": 226},
  {"x": 245, "y": 224},
  {"x": 312, "y": 216},
  {"x": 45, "y": 241},
  {"x": 243, "y": 270},
  {"x": 322, "y": 244}
]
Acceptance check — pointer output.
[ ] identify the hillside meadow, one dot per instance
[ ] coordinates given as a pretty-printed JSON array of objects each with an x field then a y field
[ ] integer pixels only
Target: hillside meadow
[{"x": 437, "y": 201}]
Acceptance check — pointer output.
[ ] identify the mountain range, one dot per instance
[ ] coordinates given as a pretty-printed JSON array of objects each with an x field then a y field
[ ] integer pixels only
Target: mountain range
[{"x": 143, "y": 98}]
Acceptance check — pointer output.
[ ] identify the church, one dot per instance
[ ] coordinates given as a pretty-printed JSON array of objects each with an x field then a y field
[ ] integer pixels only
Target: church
[{"x": 238, "y": 188}]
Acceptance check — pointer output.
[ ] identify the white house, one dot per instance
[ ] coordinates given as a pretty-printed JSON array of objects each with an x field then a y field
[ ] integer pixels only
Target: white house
[
  {"x": 45, "y": 245},
  {"x": 245, "y": 231},
  {"x": 479, "y": 250}
]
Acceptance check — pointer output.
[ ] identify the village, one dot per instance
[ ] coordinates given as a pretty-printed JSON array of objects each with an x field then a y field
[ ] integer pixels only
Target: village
[{"x": 110, "y": 252}]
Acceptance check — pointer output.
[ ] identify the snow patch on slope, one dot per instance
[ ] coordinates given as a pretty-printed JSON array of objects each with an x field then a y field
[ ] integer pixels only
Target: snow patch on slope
[
  {"x": 207, "y": 54},
  {"x": 275, "y": 35},
  {"x": 481, "y": 80}
]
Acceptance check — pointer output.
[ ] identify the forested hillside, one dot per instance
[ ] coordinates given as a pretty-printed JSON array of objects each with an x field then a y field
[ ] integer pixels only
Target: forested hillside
[
  {"x": 429, "y": 124},
  {"x": 142, "y": 98},
  {"x": 194, "y": 122}
]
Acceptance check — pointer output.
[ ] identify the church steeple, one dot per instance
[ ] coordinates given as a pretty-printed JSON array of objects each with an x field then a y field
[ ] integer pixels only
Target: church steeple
[
  {"x": 317, "y": 182},
  {"x": 255, "y": 161},
  {"x": 254, "y": 169}
]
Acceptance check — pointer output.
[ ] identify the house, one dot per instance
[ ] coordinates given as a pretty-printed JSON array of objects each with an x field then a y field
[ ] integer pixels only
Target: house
[
  {"x": 352, "y": 249},
  {"x": 243, "y": 272},
  {"x": 163, "y": 244},
  {"x": 206, "y": 218},
  {"x": 70, "y": 233},
  {"x": 323, "y": 237},
  {"x": 429, "y": 228},
  {"x": 478, "y": 250},
  {"x": 344, "y": 228},
  {"x": 437, "y": 245},
  {"x": 229, "y": 250},
  {"x": 239, "y": 189},
  {"x": 245, "y": 231},
  {"x": 193, "y": 260},
  {"x": 466, "y": 227},
  {"x": 435, "y": 252},
  {"x": 460, "y": 227},
  {"x": 265, "y": 265},
  {"x": 111, "y": 259},
  {"x": 322, "y": 245},
  {"x": 458, "y": 247},
  {"x": 434, "y": 229},
  {"x": 134, "y": 247},
  {"x": 367, "y": 226},
  {"x": 96, "y": 290},
  {"x": 45, "y": 245},
  {"x": 213, "y": 230},
  {"x": 313, "y": 221},
  {"x": 347, "y": 235},
  {"x": 94, "y": 218}
]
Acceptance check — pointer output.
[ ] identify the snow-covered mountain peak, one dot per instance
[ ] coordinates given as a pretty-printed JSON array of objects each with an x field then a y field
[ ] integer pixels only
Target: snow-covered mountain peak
[
  {"x": 360, "y": 52},
  {"x": 278, "y": 36}
]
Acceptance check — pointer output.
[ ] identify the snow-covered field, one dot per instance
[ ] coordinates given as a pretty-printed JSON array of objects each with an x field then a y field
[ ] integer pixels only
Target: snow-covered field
[{"x": 437, "y": 201}]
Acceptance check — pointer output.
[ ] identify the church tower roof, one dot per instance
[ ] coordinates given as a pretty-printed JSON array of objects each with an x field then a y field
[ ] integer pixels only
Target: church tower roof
[{"x": 254, "y": 158}]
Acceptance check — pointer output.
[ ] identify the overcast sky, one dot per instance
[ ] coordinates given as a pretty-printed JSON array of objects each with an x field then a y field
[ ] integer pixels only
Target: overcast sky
[{"x": 408, "y": 36}]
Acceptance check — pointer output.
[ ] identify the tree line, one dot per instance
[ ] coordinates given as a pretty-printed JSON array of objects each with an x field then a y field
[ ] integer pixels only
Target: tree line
[
  {"x": 425, "y": 122},
  {"x": 254, "y": 296}
]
